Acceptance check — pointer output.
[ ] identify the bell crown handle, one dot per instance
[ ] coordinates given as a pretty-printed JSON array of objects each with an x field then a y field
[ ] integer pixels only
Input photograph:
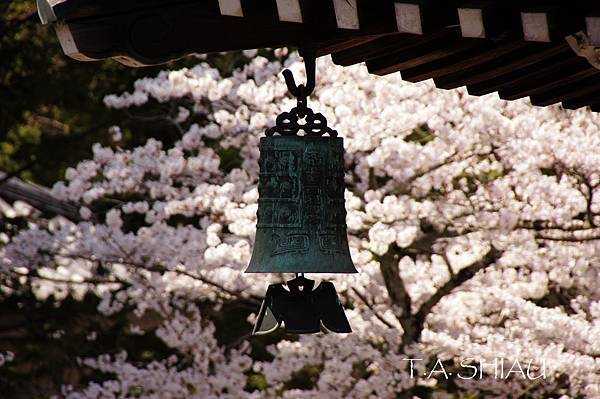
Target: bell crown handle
[{"x": 301, "y": 92}]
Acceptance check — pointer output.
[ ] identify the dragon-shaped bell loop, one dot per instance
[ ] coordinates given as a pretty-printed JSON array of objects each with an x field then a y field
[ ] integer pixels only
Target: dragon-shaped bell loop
[
  {"x": 302, "y": 92},
  {"x": 290, "y": 123}
]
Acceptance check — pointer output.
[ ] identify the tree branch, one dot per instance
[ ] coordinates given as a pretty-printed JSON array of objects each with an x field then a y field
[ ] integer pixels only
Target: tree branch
[
  {"x": 567, "y": 239},
  {"x": 448, "y": 264},
  {"x": 206, "y": 281},
  {"x": 372, "y": 309},
  {"x": 15, "y": 189},
  {"x": 457, "y": 280},
  {"x": 589, "y": 199},
  {"x": 157, "y": 268},
  {"x": 388, "y": 264},
  {"x": 91, "y": 281},
  {"x": 447, "y": 161}
]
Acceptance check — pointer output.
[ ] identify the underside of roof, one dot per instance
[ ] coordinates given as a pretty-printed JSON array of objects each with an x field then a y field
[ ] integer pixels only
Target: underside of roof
[{"x": 545, "y": 50}]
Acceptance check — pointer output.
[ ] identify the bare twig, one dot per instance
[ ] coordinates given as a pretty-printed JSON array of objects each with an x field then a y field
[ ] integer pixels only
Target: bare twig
[
  {"x": 567, "y": 239},
  {"x": 239, "y": 295},
  {"x": 91, "y": 281},
  {"x": 372, "y": 309},
  {"x": 162, "y": 269},
  {"x": 447, "y": 262}
]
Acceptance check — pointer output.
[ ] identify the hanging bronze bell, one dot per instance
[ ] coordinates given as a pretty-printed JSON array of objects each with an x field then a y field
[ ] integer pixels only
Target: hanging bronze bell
[
  {"x": 301, "y": 217},
  {"x": 301, "y": 209}
]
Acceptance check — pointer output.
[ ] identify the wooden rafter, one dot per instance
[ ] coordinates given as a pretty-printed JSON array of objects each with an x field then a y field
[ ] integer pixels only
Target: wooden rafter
[{"x": 516, "y": 47}]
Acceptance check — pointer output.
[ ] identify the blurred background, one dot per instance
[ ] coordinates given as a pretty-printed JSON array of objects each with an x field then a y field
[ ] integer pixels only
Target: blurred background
[
  {"x": 51, "y": 112},
  {"x": 51, "y": 108}
]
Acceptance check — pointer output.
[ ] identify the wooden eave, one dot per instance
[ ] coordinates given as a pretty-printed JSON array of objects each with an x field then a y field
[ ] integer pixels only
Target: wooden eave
[{"x": 516, "y": 48}]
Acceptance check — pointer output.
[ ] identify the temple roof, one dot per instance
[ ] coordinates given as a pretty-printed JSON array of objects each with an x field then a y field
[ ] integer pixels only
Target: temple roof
[{"x": 545, "y": 50}]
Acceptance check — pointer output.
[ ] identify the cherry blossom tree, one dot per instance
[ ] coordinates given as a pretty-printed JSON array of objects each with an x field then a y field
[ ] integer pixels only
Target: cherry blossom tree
[{"x": 473, "y": 223}]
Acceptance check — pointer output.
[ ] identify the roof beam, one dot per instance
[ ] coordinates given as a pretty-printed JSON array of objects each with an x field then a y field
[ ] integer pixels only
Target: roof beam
[
  {"x": 424, "y": 16},
  {"x": 551, "y": 77},
  {"x": 346, "y": 14},
  {"x": 478, "y": 53},
  {"x": 592, "y": 27},
  {"x": 487, "y": 19},
  {"x": 496, "y": 68},
  {"x": 331, "y": 19},
  {"x": 536, "y": 26},
  {"x": 232, "y": 8},
  {"x": 422, "y": 53},
  {"x": 388, "y": 44},
  {"x": 579, "y": 102},
  {"x": 505, "y": 75},
  {"x": 289, "y": 11},
  {"x": 341, "y": 45},
  {"x": 573, "y": 90},
  {"x": 550, "y": 23},
  {"x": 376, "y": 17}
]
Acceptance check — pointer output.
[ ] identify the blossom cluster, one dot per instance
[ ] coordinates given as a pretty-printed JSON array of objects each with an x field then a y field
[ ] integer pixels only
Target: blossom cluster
[{"x": 434, "y": 180}]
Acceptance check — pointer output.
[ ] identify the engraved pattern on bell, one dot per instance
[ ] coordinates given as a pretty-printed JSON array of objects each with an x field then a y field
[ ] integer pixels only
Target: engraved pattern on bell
[{"x": 301, "y": 209}]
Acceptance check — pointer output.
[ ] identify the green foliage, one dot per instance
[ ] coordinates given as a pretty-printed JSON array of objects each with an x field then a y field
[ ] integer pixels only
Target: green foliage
[
  {"x": 474, "y": 181},
  {"x": 376, "y": 181},
  {"x": 51, "y": 108},
  {"x": 136, "y": 390},
  {"x": 230, "y": 159},
  {"x": 51, "y": 112},
  {"x": 256, "y": 382},
  {"x": 421, "y": 135},
  {"x": 549, "y": 172},
  {"x": 306, "y": 378},
  {"x": 360, "y": 370},
  {"x": 46, "y": 338}
]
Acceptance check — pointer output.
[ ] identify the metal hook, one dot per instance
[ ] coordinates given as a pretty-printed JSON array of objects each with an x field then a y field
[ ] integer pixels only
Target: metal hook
[{"x": 301, "y": 92}]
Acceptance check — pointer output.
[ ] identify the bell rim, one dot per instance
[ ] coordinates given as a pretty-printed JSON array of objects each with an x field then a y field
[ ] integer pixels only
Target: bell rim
[
  {"x": 299, "y": 271},
  {"x": 258, "y": 270},
  {"x": 306, "y": 137}
]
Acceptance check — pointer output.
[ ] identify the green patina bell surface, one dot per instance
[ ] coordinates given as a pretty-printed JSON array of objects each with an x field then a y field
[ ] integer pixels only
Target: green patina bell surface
[{"x": 301, "y": 209}]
